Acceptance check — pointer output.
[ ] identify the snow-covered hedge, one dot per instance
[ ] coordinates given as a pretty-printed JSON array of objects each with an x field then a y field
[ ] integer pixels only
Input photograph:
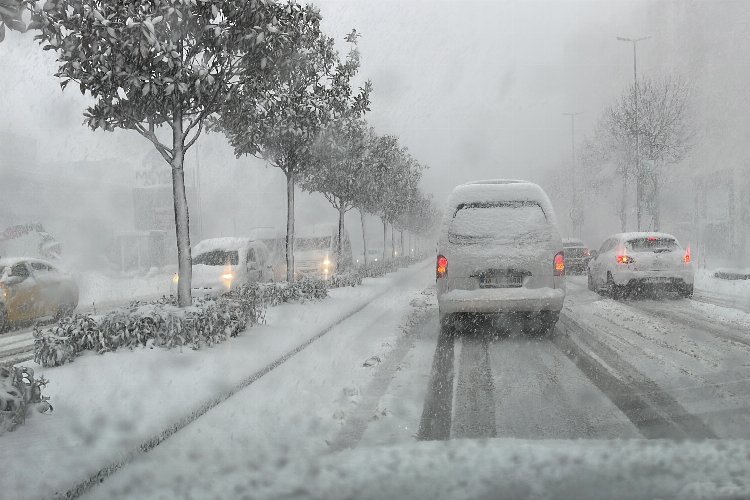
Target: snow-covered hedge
[
  {"x": 19, "y": 393},
  {"x": 161, "y": 323}
]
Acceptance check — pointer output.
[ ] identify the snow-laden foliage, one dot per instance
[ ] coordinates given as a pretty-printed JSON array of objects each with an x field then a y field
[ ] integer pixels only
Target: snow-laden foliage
[
  {"x": 11, "y": 15},
  {"x": 20, "y": 392},
  {"x": 208, "y": 321},
  {"x": 311, "y": 87},
  {"x": 150, "y": 64}
]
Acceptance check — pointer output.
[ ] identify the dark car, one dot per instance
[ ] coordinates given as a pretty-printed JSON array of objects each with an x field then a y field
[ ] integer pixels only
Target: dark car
[{"x": 577, "y": 256}]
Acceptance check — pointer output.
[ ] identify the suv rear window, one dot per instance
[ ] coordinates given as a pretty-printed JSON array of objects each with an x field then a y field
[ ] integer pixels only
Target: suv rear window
[
  {"x": 521, "y": 222},
  {"x": 652, "y": 244},
  {"x": 218, "y": 258}
]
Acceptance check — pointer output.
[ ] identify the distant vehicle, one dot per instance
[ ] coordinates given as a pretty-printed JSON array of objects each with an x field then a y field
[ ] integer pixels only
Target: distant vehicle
[
  {"x": 629, "y": 262},
  {"x": 373, "y": 255},
  {"x": 221, "y": 264},
  {"x": 275, "y": 241},
  {"x": 34, "y": 288},
  {"x": 577, "y": 256},
  {"x": 315, "y": 251},
  {"x": 500, "y": 252}
]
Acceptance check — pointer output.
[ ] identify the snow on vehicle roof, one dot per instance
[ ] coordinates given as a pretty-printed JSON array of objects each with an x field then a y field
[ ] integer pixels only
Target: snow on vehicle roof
[
  {"x": 573, "y": 242},
  {"x": 316, "y": 231},
  {"x": 12, "y": 261},
  {"x": 642, "y": 234},
  {"x": 226, "y": 243},
  {"x": 500, "y": 190}
]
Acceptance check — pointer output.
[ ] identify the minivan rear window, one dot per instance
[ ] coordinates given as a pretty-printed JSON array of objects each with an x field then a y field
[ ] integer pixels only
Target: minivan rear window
[
  {"x": 522, "y": 222},
  {"x": 652, "y": 244}
]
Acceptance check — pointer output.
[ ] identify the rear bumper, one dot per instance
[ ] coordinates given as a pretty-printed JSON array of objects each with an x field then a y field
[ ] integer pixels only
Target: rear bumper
[
  {"x": 494, "y": 300},
  {"x": 653, "y": 278}
]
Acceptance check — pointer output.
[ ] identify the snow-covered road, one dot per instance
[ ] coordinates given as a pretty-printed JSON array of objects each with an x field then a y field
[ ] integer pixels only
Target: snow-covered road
[{"x": 387, "y": 375}]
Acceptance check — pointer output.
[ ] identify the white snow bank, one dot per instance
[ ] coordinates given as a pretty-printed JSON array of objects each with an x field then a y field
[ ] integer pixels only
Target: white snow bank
[
  {"x": 107, "y": 405},
  {"x": 731, "y": 293},
  {"x": 487, "y": 468}
]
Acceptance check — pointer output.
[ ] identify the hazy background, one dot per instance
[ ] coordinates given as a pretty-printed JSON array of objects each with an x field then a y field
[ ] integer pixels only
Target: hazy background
[{"x": 475, "y": 89}]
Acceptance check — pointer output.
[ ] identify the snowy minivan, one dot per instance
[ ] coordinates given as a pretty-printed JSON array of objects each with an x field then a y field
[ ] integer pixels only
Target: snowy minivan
[
  {"x": 500, "y": 252},
  {"x": 221, "y": 264}
]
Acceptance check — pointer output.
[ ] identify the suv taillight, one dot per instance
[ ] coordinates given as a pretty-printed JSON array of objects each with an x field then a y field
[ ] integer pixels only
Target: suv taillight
[
  {"x": 559, "y": 264},
  {"x": 442, "y": 267},
  {"x": 625, "y": 259},
  {"x": 686, "y": 259}
]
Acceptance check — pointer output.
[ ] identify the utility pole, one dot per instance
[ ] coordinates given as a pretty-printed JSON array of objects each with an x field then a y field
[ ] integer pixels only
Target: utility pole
[
  {"x": 638, "y": 170},
  {"x": 576, "y": 211}
]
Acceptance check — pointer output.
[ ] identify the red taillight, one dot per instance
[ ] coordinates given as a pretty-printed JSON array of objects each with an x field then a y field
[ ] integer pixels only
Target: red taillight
[
  {"x": 587, "y": 252},
  {"x": 686, "y": 259},
  {"x": 559, "y": 264},
  {"x": 442, "y": 267},
  {"x": 624, "y": 259}
]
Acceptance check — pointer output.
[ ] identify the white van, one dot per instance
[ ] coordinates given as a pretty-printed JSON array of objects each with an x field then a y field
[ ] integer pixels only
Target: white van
[
  {"x": 315, "y": 251},
  {"x": 500, "y": 252},
  {"x": 221, "y": 264}
]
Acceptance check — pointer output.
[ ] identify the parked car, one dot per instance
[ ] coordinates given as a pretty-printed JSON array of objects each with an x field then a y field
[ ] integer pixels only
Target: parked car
[
  {"x": 629, "y": 262},
  {"x": 500, "y": 251},
  {"x": 221, "y": 264},
  {"x": 577, "y": 256},
  {"x": 34, "y": 288}
]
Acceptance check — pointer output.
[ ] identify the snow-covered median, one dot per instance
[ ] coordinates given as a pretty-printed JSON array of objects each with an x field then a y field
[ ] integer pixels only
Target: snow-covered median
[
  {"x": 730, "y": 293},
  {"x": 108, "y": 407}
]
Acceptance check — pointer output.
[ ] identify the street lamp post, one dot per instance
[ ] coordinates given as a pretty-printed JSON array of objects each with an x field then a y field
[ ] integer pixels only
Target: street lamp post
[
  {"x": 638, "y": 172},
  {"x": 576, "y": 213}
]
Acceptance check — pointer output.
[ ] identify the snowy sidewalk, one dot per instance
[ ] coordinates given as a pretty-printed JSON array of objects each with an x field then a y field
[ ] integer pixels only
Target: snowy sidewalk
[{"x": 107, "y": 407}]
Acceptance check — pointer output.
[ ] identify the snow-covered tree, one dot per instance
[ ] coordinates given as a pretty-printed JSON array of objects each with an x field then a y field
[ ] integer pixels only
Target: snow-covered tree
[
  {"x": 309, "y": 90},
  {"x": 156, "y": 65},
  {"x": 336, "y": 169},
  {"x": 651, "y": 122}
]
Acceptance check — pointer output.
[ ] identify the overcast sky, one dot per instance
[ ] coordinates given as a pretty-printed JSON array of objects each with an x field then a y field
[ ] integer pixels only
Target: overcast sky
[{"x": 474, "y": 89}]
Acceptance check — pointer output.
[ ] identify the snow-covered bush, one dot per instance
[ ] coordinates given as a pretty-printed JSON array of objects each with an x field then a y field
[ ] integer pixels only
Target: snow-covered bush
[
  {"x": 161, "y": 323},
  {"x": 351, "y": 278},
  {"x": 19, "y": 393}
]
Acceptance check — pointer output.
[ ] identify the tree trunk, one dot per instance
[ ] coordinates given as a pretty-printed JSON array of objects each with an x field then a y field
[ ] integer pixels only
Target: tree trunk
[
  {"x": 402, "y": 243},
  {"x": 385, "y": 238},
  {"x": 624, "y": 204},
  {"x": 290, "y": 225},
  {"x": 181, "y": 216},
  {"x": 340, "y": 247},
  {"x": 393, "y": 243},
  {"x": 656, "y": 215},
  {"x": 364, "y": 234}
]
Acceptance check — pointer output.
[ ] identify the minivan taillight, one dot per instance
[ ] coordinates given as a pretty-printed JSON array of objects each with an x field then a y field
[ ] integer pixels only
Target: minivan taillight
[
  {"x": 559, "y": 264},
  {"x": 442, "y": 267}
]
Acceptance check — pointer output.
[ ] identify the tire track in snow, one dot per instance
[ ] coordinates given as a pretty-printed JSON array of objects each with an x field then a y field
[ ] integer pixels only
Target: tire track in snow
[
  {"x": 654, "y": 412},
  {"x": 150, "y": 443},
  {"x": 474, "y": 403},
  {"x": 435, "y": 423}
]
